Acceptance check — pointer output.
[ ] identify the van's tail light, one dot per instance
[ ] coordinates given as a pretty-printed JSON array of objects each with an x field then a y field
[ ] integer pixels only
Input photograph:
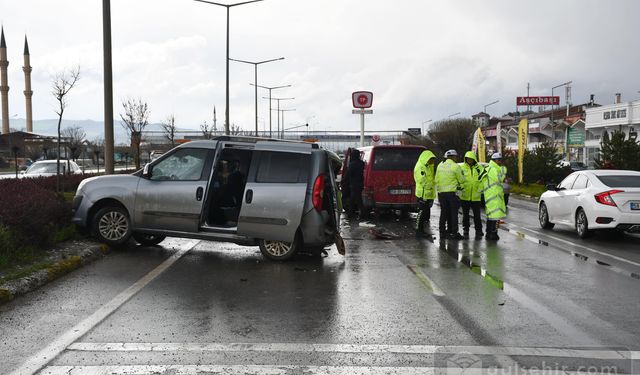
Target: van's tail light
[
  {"x": 318, "y": 192},
  {"x": 605, "y": 197}
]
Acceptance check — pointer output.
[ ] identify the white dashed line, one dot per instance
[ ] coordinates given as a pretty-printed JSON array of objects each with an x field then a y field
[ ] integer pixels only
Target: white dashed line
[{"x": 40, "y": 359}]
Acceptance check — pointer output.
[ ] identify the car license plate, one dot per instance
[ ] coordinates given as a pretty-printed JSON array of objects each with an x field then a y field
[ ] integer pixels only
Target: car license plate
[
  {"x": 399, "y": 191},
  {"x": 635, "y": 206}
]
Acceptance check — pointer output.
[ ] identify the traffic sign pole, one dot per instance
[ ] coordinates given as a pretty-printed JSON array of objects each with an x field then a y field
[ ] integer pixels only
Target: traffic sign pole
[{"x": 362, "y": 100}]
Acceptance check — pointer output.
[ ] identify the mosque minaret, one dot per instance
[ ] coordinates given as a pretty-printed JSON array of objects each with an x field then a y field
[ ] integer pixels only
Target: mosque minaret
[
  {"x": 4, "y": 86},
  {"x": 28, "y": 93}
]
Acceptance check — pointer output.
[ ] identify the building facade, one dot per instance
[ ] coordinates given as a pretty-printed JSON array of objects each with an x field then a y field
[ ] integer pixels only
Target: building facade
[{"x": 619, "y": 116}]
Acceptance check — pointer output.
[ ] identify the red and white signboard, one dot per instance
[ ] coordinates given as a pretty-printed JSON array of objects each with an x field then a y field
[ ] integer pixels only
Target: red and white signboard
[
  {"x": 375, "y": 138},
  {"x": 538, "y": 100},
  {"x": 362, "y": 99}
]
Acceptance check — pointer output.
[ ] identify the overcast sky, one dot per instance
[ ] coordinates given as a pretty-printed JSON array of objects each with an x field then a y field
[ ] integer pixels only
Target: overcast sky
[{"x": 421, "y": 59}]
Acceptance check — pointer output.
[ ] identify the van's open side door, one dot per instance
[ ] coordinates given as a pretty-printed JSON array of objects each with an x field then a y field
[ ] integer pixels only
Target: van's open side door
[{"x": 275, "y": 192}]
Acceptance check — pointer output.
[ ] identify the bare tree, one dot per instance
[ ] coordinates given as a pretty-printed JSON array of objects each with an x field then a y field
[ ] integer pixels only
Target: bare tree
[
  {"x": 453, "y": 134},
  {"x": 169, "y": 129},
  {"x": 206, "y": 129},
  {"x": 135, "y": 119},
  {"x": 97, "y": 145},
  {"x": 75, "y": 136},
  {"x": 235, "y": 129},
  {"x": 61, "y": 85}
]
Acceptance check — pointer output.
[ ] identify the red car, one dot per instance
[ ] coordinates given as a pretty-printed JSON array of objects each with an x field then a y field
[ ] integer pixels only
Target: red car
[{"x": 388, "y": 176}]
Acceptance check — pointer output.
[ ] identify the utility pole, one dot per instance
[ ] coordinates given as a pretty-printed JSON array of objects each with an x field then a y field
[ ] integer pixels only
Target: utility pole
[
  {"x": 278, "y": 100},
  {"x": 255, "y": 65},
  {"x": 270, "y": 110},
  {"x": 228, "y": 6},
  {"x": 108, "y": 87}
]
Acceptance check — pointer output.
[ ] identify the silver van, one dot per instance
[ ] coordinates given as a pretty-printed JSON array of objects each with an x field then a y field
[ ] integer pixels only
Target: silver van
[{"x": 278, "y": 195}]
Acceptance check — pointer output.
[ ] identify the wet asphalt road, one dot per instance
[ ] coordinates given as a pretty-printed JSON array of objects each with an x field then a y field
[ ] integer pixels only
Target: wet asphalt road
[{"x": 404, "y": 306}]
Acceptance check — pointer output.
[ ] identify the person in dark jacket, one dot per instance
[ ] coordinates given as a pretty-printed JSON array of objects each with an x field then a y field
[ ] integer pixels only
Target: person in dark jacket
[{"x": 355, "y": 176}]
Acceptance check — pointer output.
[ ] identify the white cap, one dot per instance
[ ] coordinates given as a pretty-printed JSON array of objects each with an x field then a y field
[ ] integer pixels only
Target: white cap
[
  {"x": 450, "y": 153},
  {"x": 496, "y": 155}
]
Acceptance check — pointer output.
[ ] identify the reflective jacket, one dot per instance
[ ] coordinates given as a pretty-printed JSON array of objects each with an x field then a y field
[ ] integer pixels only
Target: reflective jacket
[
  {"x": 493, "y": 193},
  {"x": 424, "y": 176},
  {"x": 449, "y": 177},
  {"x": 472, "y": 188}
]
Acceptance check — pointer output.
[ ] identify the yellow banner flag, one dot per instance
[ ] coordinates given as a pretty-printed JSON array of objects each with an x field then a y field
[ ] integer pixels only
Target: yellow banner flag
[
  {"x": 482, "y": 146},
  {"x": 523, "y": 128}
]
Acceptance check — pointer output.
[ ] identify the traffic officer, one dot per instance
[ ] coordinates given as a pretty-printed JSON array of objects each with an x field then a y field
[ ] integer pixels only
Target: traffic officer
[
  {"x": 424, "y": 176},
  {"x": 449, "y": 181},
  {"x": 470, "y": 197},
  {"x": 493, "y": 178}
]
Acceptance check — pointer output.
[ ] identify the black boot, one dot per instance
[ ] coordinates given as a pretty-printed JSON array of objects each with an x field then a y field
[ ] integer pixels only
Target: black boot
[
  {"x": 465, "y": 234},
  {"x": 479, "y": 235}
]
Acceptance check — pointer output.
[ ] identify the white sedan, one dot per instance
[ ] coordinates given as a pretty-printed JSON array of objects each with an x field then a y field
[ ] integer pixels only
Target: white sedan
[
  {"x": 593, "y": 199},
  {"x": 49, "y": 168}
]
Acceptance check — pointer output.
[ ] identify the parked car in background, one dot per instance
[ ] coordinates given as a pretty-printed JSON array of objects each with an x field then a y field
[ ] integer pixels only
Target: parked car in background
[
  {"x": 573, "y": 164},
  {"x": 50, "y": 168},
  {"x": 593, "y": 199},
  {"x": 278, "y": 195},
  {"x": 388, "y": 176}
]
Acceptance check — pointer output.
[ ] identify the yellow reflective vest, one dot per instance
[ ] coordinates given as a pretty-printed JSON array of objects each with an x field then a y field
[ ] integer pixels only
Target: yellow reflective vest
[
  {"x": 424, "y": 176},
  {"x": 472, "y": 188},
  {"x": 493, "y": 192},
  {"x": 449, "y": 177}
]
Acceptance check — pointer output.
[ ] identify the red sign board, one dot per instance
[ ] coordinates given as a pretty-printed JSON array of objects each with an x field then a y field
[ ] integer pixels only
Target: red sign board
[
  {"x": 362, "y": 99},
  {"x": 538, "y": 100}
]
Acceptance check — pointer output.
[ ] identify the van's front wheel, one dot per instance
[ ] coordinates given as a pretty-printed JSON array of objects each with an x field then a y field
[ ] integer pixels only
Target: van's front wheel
[{"x": 280, "y": 250}]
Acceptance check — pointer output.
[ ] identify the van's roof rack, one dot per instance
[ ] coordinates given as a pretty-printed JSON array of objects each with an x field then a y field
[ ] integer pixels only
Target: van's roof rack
[{"x": 242, "y": 138}]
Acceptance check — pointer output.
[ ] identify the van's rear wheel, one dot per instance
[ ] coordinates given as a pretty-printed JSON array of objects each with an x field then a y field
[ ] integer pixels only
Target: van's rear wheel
[{"x": 280, "y": 250}]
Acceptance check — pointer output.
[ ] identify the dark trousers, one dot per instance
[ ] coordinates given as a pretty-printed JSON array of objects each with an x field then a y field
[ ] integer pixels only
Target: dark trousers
[
  {"x": 477, "y": 221},
  {"x": 449, "y": 205},
  {"x": 424, "y": 213},
  {"x": 355, "y": 201}
]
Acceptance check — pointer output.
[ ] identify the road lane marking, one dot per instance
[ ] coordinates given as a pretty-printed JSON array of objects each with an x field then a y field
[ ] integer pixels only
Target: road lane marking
[
  {"x": 426, "y": 281},
  {"x": 39, "y": 360},
  {"x": 308, "y": 370},
  {"x": 620, "y": 259},
  {"x": 589, "y": 353},
  {"x": 513, "y": 229}
]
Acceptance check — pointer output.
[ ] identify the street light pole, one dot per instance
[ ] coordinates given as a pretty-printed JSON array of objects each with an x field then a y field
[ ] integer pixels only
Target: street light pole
[
  {"x": 455, "y": 114},
  {"x": 228, "y": 6},
  {"x": 283, "y": 111},
  {"x": 255, "y": 65},
  {"x": 425, "y": 122},
  {"x": 278, "y": 100},
  {"x": 492, "y": 103},
  {"x": 270, "y": 88},
  {"x": 553, "y": 125}
]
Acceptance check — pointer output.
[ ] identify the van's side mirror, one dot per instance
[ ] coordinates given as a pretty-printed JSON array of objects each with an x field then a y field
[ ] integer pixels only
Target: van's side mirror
[
  {"x": 147, "y": 172},
  {"x": 552, "y": 187}
]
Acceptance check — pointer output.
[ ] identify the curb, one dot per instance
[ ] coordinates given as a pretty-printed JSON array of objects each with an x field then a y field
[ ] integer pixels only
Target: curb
[{"x": 12, "y": 289}]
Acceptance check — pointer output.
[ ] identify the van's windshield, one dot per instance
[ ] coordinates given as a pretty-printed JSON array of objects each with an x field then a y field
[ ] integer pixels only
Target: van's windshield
[{"x": 395, "y": 159}]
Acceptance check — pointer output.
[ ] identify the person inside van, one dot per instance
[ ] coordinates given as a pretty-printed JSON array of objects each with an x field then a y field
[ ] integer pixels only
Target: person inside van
[{"x": 355, "y": 176}]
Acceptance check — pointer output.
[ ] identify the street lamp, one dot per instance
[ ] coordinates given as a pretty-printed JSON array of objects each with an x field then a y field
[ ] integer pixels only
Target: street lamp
[
  {"x": 425, "y": 122},
  {"x": 296, "y": 127},
  {"x": 492, "y": 103},
  {"x": 270, "y": 88},
  {"x": 455, "y": 114},
  {"x": 282, "y": 111},
  {"x": 255, "y": 65},
  {"x": 228, "y": 6},
  {"x": 278, "y": 99},
  {"x": 553, "y": 125}
]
